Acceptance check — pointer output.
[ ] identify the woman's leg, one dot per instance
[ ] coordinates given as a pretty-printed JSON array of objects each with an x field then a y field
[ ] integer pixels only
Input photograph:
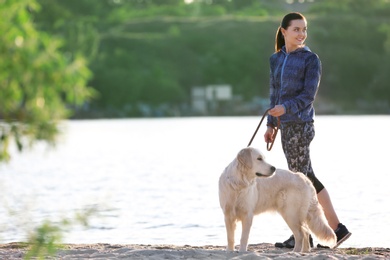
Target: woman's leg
[
  {"x": 330, "y": 213},
  {"x": 341, "y": 231},
  {"x": 296, "y": 141}
]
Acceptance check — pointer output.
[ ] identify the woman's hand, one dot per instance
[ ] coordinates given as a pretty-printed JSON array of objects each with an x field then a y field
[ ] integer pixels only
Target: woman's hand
[
  {"x": 269, "y": 134},
  {"x": 278, "y": 110}
]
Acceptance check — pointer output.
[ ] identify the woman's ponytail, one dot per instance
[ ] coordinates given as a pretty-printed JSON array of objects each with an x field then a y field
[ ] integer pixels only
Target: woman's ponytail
[{"x": 279, "y": 39}]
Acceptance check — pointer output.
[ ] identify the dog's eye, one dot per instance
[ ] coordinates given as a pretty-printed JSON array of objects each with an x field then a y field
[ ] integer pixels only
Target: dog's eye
[{"x": 260, "y": 159}]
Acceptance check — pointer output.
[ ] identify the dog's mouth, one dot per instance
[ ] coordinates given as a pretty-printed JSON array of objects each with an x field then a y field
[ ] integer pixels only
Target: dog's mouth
[{"x": 259, "y": 174}]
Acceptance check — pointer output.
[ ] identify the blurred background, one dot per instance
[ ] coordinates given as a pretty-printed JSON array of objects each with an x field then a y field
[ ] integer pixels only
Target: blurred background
[
  {"x": 163, "y": 58},
  {"x": 187, "y": 57},
  {"x": 83, "y": 59}
]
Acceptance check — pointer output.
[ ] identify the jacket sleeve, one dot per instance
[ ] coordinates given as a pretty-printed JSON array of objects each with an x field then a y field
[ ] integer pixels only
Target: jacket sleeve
[
  {"x": 271, "y": 121},
  {"x": 311, "y": 83}
]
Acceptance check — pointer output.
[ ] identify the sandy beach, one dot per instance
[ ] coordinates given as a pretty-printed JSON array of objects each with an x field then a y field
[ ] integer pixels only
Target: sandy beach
[{"x": 138, "y": 251}]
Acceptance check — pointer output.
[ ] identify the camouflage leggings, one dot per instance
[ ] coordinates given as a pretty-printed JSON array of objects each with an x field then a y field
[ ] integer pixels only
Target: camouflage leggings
[{"x": 296, "y": 139}]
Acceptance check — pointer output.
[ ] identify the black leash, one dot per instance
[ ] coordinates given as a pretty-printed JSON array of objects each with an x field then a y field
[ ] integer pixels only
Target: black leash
[{"x": 274, "y": 137}]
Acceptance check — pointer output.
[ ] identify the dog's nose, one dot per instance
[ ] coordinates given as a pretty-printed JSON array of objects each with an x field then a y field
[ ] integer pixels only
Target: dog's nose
[{"x": 273, "y": 169}]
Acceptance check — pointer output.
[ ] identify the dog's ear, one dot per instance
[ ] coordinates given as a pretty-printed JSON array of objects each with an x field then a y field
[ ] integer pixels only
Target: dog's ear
[{"x": 245, "y": 157}]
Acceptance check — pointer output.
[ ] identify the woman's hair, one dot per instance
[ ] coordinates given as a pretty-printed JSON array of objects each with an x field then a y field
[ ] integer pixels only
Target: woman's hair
[{"x": 279, "y": 39}]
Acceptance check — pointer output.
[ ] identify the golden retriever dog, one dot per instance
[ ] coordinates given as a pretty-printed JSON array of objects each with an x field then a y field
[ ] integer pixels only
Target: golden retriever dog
[{"x": 249, "y": 186}]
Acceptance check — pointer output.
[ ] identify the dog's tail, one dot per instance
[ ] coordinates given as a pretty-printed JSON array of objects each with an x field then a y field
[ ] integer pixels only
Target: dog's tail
[{"x": 318, "y": 224}]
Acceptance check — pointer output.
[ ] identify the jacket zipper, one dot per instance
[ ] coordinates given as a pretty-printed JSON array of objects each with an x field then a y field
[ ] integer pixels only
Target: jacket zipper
[{"x": 281, "y": 77}]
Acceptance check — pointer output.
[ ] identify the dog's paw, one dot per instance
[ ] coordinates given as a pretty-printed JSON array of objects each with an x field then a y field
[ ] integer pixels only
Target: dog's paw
[{"x": 243, "y": 250}]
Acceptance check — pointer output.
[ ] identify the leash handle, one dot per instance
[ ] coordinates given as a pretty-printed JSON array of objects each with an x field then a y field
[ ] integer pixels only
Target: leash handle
[{"x": 269, "y": 146}]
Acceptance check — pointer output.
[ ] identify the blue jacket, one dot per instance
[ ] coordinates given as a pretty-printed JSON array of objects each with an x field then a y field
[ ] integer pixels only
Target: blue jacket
[{"x": 294, "y": 81}]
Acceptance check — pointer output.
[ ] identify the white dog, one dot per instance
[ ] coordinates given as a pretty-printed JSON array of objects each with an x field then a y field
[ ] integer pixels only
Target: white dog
[{"x": 242, "y": 194}]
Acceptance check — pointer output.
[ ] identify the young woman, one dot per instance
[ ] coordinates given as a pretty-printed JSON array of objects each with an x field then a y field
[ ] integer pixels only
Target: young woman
[{"x": 295, "y": 74}]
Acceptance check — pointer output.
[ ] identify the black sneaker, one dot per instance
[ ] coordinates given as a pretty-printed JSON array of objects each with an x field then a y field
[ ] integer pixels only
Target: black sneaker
[
  {"x": 342, "y": 234},
  {"x": 290, "y": 243}
]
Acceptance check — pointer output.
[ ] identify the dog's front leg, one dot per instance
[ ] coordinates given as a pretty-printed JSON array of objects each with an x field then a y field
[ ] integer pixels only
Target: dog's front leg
[
  {"x": 299, "y": 236},
  {"x": 230, "y": 225},
  {"x": 305, "y": 242},
  {"x": 246, "y": 227}
]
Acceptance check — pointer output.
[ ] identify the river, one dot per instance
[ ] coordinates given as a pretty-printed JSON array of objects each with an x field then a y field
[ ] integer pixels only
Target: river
[{"x": 155, "y": 181}]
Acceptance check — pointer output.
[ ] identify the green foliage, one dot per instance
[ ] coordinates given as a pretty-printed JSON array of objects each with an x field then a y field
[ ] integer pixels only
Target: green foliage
[
  {"x": 44, "y": 241},
  {"x": 359, "y": 251},
  {"x": 38, "y": 84},
  {"x": 352, "y": 39},
  {"x": 47, "y": 237},
  {"x": 162, "y": 65},
  {"x": 153, "y": 52}
]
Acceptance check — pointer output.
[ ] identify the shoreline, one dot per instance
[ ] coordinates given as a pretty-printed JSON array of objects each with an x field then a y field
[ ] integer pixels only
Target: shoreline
[{"x": 18, "y": 250}]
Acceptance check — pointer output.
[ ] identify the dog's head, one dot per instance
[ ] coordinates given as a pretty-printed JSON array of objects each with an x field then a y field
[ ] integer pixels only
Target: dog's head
[{"x": 253, "y": 160}]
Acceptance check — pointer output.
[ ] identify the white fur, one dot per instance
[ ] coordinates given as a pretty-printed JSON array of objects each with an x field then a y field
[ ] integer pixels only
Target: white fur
[{"x": 249, "y": 186}]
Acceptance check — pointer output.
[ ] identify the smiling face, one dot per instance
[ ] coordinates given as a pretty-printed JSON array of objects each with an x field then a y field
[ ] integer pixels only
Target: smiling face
[{"x": 295, "y": 34}]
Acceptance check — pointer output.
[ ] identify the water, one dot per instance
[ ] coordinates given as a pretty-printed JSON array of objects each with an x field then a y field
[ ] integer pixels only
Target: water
[{"x": 154, "y": 181}]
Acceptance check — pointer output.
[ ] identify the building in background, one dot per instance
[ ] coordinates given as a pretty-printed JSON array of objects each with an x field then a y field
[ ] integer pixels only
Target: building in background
[{"x": 211, "y": 100}]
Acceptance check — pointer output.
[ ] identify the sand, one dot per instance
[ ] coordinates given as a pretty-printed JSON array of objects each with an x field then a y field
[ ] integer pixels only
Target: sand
[{"x": 138, "y": 251}]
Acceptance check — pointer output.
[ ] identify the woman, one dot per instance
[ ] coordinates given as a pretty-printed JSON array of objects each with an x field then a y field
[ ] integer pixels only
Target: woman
[{"x": 295, "y": 74}]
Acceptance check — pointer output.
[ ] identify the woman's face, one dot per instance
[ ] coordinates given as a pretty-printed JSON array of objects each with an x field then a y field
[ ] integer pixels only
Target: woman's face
[{"x": 295, "y": 35}]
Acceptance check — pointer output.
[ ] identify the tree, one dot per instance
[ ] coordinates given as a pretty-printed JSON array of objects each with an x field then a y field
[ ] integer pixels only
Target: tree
[
  {"x": 355, "y": 68},
  {"x": 38, "y": 83}
]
